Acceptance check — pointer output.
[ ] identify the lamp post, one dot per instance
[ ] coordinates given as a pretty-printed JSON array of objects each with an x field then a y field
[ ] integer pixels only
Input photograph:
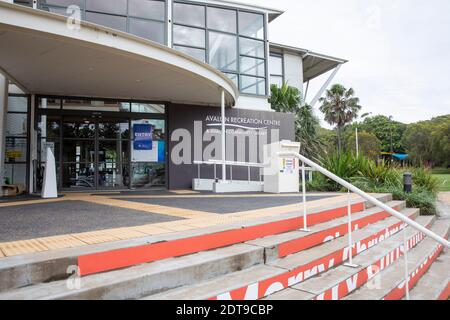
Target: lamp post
[{"x": 356, "y": 133}]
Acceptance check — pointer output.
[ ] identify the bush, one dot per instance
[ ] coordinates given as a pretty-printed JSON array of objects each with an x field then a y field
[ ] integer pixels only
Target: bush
[{"x": 381, "y": 177}]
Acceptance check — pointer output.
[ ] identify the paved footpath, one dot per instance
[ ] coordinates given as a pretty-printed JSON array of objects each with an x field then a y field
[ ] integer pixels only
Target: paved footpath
[{"x": 443, "y": 204}]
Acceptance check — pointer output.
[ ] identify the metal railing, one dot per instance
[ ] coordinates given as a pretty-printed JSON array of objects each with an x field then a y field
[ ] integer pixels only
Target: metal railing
[
  {"x": 231, "y": 164},
  {"x": 369, "y": 198}
]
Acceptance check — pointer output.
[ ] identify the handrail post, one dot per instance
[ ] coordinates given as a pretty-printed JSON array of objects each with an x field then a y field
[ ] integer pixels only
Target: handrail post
[
  {"x": 215, "y": 172},
  {"x": 349, "y": 232},
  {"x": 231, "y": 173},
  {"x": 248, "y": 173},
  {"x": 305, "y": 215},
  {"x": 405, "y": 257}
]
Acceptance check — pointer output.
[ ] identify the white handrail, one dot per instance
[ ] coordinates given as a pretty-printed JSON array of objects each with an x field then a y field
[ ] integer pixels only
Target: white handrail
[{"x": 368, "y": 197}]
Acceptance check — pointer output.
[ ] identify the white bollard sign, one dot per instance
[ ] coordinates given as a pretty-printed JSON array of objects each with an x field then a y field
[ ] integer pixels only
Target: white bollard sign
[{"x": 49, "y": 189}]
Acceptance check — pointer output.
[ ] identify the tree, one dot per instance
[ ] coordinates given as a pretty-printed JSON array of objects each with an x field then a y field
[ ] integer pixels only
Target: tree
[
  {"x": 428, "y": 142},
  {"x": 369, "y": 145},
  {"x": 285, "y": 98},
  {"x": 340, "y": 107},
  {"x": 382, "y": 127},
  {"x": 289, "y": 99}
]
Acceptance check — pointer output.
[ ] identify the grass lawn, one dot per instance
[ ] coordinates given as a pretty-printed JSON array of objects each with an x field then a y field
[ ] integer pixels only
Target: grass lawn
[{"x": 445, "y": 181}]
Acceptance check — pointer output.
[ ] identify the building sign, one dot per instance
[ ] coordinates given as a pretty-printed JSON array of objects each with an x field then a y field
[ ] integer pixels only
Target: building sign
[
  {"x": 143, "y": 136},
  {"x": 144, "y": 148},
  {"x": 196, "y": 136}
]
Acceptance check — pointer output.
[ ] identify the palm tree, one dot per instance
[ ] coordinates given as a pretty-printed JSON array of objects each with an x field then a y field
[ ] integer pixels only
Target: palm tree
[
  {"x": 289, "y": 99},
  {"x": 340, "y": 107},
  {"x": 285, "y": 98}
]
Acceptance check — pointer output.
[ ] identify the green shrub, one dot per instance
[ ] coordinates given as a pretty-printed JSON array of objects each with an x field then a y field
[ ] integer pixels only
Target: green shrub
[
  {"x": 423, "y": 179},
  {"x": 381, "y": 177}
]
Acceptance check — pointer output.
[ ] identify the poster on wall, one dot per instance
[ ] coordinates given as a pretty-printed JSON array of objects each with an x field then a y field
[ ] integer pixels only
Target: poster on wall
[{"x": 144, "y": 148}]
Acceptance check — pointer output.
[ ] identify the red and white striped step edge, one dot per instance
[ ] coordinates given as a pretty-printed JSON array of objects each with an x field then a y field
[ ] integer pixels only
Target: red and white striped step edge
[
  {"x": 349, "y": 280},
  {"x": 301, "y": 273},
  {"x": 127, "y": 257},
  {"x": 241, "y": 285},
  {"x": 389, "y": 283}
]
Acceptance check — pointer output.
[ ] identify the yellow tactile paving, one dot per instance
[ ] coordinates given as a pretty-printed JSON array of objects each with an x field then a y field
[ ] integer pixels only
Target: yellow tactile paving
[
  {"x": 151, "y": 208},
  {"x": 184, "y": 192},
  {"x": 125, "y": 233},
  {"x": 95, "y": 237},
  {"x": 151, "y": 230},
  {"x": 61, "y": 242},
  {"x": 22, "y": 247},
  {"x": 193, "y": 220}
]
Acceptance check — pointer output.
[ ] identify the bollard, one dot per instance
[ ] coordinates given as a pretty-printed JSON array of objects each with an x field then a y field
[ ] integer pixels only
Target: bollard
[{"x": 407, "y": 182}]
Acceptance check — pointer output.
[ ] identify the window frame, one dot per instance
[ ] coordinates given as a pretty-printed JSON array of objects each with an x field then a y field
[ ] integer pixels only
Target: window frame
[
  {"x": 282, "y": 75},
  {"x": 164, "y": 21},
  {"x": 237, "y": 35}
]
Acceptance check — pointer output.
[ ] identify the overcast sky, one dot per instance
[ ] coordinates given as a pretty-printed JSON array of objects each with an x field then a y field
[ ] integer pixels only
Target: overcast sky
[{"x": 399, "y": 50}]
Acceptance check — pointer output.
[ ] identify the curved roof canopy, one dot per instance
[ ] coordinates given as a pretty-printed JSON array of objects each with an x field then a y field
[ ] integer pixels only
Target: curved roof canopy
[{"x": 43, "y": 55}]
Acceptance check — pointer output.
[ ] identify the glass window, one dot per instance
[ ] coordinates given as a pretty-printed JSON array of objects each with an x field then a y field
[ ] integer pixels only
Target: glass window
[
  {"x": 16, "y": 124},
  {"x": 96, "y": 105},
  {"x": 199, "y": 54},
  {"x": 49, "y": 126},
  {"x": 63, "y": 3},
  {"x": 222, "y": 51},
  {"x": 252, "y": 48},
  {"x": 147, "y": 108},
  {"x": 113, "y": 151},
  {"x": 222, "y": 19},
  {"x": 147, "y": 9},
  {"x": 233, "y": 78},
  {"x": 251, "y": 25},
  {"x": 17, "y": 104},
  {"x": 276, "y": 80},
  {"x": 252, "y": 66},
  {"x": 78, "y": 175},
  {"x": 148, "y": 29},
  {"x": 16, "y": 150},
  {"x": 158, "y": 127},
  {"x": 276, "y": 65},
  {"x": 49, "y": 103},
  {"x": 78, "y": 151},
  {"x": 57, "y": 10},
  {"x": 146, "y": 175},
  {"x": 253, "y": 85},
  {"x": 114, "y": 129},
  {"x": 27, "y": 3},
  {"x": 16, "y": 174},
  {"x": 188, "y": 14},
  {"x": 114, "y": 22},
  {"x": 79, "y": 128},
  {"x": 107, "y": 6},
  {"x": 189, "y": 36}
]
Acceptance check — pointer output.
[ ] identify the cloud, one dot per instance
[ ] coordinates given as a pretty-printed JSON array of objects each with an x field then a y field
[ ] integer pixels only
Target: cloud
[{"x": 398, "y": 49}]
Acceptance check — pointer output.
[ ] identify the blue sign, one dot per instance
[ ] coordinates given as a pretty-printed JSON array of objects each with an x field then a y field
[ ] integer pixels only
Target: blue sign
[{"x": 143, "y": 137}]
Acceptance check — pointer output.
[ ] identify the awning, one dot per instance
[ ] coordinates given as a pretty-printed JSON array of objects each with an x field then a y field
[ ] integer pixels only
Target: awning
[
  {"x": 43, "y": 56},
  {"x": 314, "y": 64}
]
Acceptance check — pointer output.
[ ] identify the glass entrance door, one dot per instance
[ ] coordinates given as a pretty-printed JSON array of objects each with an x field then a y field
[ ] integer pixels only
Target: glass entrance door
[{"x": 95, "y": 153}]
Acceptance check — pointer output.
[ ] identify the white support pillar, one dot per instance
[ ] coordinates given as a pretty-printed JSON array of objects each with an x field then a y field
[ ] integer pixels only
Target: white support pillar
[
  {"x": 224, "y": 156},
  {"x": 325, "y": 86},
  {"x": 4, "y": 83}
]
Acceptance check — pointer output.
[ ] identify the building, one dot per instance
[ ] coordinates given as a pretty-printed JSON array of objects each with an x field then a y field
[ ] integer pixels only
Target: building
[{"x": 127, "y": 93}]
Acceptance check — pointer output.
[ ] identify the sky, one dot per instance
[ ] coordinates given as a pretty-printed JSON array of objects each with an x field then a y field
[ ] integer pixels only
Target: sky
[{"x": 398, "y": 50}]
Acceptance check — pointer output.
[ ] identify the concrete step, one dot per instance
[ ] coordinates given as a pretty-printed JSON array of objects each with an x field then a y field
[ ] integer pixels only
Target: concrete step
[
  {"x": 282, "y": 245},
  {"x": 435, "y": 284},
  {"x": 285, "y": 272},
  {"x": 337, "y": 283},
  {"x": 146, "y": 279},
  {"x": 30, "y": 269},
  {"x": 389, "y": 284}
]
